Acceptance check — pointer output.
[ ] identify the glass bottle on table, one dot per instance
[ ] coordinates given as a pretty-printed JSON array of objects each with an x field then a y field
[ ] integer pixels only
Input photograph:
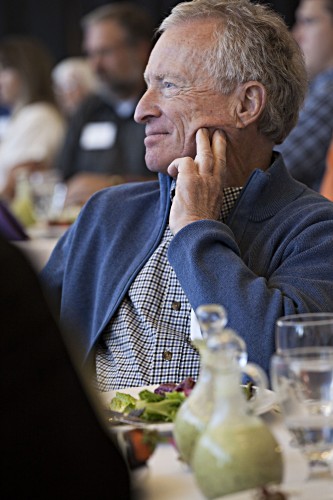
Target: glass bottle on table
[
  {"x": 236, "y": 451},
  {"x": 195, "y": 411}
]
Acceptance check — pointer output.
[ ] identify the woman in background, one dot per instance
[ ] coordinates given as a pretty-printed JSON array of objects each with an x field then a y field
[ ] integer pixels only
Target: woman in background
[{"x": 36, "y": 127}]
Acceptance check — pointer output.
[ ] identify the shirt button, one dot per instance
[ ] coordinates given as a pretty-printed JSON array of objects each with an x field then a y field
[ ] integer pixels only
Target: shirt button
[
  {"x": 167, "y": 355},
  {"x": 176, "y": 305}
]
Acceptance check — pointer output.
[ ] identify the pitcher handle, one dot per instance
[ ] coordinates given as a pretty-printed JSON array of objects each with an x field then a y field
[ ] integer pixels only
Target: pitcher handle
[{"x": 260, "y": 381}]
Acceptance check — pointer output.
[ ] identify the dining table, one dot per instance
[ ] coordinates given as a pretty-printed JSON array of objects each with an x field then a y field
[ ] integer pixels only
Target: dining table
[{"x": 166, "y": 477}]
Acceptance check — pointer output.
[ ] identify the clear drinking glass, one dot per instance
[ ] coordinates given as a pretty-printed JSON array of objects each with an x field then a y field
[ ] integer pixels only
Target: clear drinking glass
[
  {"x": 303, "y": 380},
  {"x": 304, "y": 330},
  {"x": 48, "y": 194}
]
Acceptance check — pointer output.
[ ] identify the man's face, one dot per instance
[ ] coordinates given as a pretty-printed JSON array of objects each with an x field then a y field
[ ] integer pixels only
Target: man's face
[
  {"x": 116, "y": 63},
  {"x": 180, "y": 96},
  {"x": 313, "y": 32}
]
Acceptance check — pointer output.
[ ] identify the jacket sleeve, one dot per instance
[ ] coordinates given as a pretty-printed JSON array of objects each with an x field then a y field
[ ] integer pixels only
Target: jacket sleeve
[{"x": 273, "y": 277}]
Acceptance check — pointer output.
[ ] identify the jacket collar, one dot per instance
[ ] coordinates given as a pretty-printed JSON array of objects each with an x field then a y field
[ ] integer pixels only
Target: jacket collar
[{"x": 267, "y": 192}]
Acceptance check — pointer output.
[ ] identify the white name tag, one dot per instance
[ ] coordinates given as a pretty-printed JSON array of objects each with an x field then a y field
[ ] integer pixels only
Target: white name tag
[{"x": 99, "y": 135}]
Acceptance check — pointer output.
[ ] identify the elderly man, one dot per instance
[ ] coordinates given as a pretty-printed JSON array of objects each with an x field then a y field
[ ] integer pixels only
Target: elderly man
[
  {"x": 104, "y": 145},
  {"x": 305, "y": 149},
  {"x": 226, "y": 224}
]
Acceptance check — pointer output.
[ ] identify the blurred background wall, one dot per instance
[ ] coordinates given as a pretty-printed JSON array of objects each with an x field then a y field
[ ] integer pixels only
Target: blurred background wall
[{"x": 57, "y": 22}]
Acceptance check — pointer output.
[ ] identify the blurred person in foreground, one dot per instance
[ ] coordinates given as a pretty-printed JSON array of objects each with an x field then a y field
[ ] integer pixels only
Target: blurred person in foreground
[
  {"x": 35, "y": 129},
  {"x": 225, "y": 224},
  {"x": 305, "y": 148},
  {"x": 53, "y": 440},
  {"x": 73, "y": 81},
  {"x": 104, "y": 145}
]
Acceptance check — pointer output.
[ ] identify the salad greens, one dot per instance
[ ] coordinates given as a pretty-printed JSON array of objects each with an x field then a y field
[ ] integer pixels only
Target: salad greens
[
  {"x": 150, "y": 406},
  {"x": 162, "y": 404}
]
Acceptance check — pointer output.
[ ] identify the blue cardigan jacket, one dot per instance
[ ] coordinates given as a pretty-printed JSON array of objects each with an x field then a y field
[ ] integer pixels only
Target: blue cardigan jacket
[{"x": 273, "y": 257}]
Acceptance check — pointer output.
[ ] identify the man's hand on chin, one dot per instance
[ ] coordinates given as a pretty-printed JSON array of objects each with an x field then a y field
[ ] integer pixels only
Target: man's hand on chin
[{"x": 199, "y": 189}]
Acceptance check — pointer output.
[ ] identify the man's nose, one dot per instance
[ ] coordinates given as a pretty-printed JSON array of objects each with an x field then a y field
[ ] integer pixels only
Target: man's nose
[{"x": 147, "y": 107}]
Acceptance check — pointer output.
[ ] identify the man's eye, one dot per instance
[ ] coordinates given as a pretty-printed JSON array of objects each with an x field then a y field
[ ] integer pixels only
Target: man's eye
[{"x": 168, "y": 85}]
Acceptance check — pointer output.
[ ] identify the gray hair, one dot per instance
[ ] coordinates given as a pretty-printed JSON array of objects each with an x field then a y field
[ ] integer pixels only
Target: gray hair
[
  {"x": 74, "y": 71},
  {"x": 252, "y": 42}
]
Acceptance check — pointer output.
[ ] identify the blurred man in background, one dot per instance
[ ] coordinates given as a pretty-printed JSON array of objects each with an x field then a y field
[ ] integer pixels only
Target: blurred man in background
[
  {"x": 104, "y": 145},
  {"x": 305, "y": 149}
]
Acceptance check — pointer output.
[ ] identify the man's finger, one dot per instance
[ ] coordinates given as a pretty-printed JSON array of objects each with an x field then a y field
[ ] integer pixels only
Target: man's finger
[
  {"x": 204, "y": 156},
  {"x": 173, "y": 168},
  {"x": 185, "y": 165},
  {"x": 219, "y": 146}
]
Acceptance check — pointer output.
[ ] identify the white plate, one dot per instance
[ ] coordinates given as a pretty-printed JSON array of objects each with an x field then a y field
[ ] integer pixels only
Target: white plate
[{"x": 265, "y": 404}]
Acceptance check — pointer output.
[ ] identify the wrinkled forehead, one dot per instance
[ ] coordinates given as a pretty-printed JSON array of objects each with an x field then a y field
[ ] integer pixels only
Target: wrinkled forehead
[{"x": 183, "y": 46}]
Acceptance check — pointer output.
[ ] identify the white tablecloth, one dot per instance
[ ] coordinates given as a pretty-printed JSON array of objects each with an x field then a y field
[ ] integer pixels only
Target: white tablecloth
[{"x": 166, "y": 478}]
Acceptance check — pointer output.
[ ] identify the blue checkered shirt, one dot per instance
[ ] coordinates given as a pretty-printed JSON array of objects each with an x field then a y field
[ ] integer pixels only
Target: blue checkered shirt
[
  {"x": 148, "y": 340},
  {"x": 305, "y": 149}
]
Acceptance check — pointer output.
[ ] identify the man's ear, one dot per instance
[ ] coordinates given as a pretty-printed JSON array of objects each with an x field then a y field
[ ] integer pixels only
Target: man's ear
[{"x": 251, "y": 103}]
